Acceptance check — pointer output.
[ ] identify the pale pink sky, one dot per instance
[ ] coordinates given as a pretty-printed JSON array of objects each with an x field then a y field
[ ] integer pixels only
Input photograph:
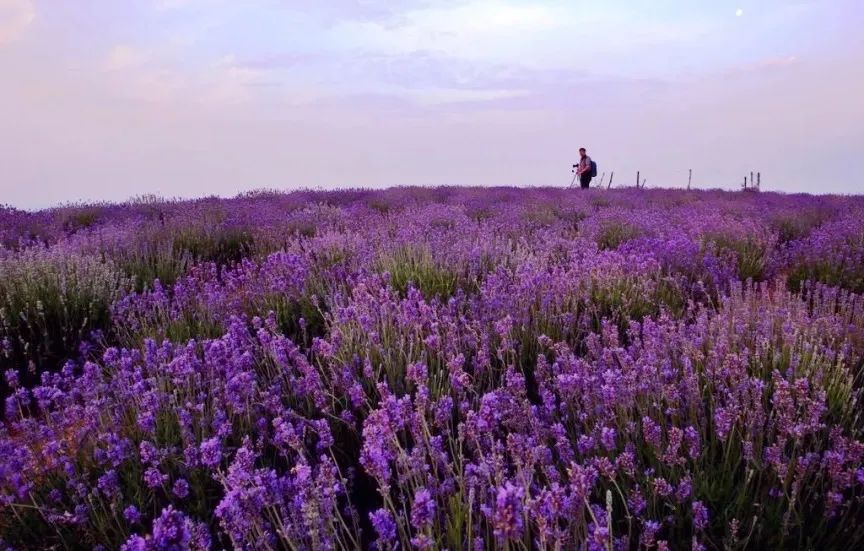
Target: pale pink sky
[{"x": 109, "y": 99}]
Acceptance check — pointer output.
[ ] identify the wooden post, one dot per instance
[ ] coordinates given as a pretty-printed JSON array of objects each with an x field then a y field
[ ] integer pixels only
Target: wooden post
[
  {"x": 758, "y": 180},
  {"x": 637, "y": 179},
  {"x": 643, "y": 182},
  {"x": 745, "y": 182},
  {"x": 602, "y": 179},
  {"x": 689, "y": 178},
  {"x": 610, "y": 180},
  {"x": 752, "y": 180}
]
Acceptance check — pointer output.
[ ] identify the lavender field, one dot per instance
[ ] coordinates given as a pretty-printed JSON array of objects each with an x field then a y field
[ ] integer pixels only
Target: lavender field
[{"x": 449, "y": 368}]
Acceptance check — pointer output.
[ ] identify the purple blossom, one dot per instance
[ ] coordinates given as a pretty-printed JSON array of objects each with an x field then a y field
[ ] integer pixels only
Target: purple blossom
[
  {"x": 607, "y": 438},
  {"x": 507, "y": 518},
  {"x": 384, "y": 525},
  {"x": 154, "y": 479},
  {"x": 132, "y": 515},
  {"x": 135, "y": 543},
  {"x": 211, "y": 452},
  {"x": 512, "y": 356},
  {"x": 700, "y": 515},
  {"x": 422, "y": 508},
  {"x": 180, "y": 488},
  {"x": 171, "y": 530}
]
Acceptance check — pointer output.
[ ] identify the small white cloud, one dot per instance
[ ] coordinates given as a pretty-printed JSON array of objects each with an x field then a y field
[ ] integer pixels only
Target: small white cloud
[
  {"x": 16, "y": 16},
  {"x": 443, "y": 96},
  {"x": 123, "y": 57},
  {"x": 165, "y": 5},
  {"x": 229, "y": 83}
]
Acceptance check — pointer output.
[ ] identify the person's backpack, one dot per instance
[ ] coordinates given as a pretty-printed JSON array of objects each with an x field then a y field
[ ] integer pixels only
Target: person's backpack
[{"x": 593, "y": 169}]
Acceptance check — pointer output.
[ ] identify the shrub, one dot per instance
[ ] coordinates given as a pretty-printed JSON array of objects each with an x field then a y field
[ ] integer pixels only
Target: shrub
[
  {"x": 80, "y": 218},
  {"x": 150, "y": 259},
  {"x": 169, "y": 419},
  {"x": 750, "y": 255},
  {"x": 166, "y": 252},
  {"x": 614, "y": 233},
  {"x": 421, "y": 380},
  {"x": 223, "y": 246},
  {"x": 203, "y": 302},
  {"x": 832, "y": 254},
  {"x": 50, "y": 301},
  {"x": 410, "y": 266}
]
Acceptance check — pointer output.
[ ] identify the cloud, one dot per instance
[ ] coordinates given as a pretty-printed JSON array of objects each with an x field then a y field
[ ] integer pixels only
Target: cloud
[
  {"x": 774, "y": 63},
  {"x": 16, "y": 16},
  {"x": 226, "y": 82},
  {"x": 607, "y": 39},
  {"x": 167, "y": 5},
  {"x": 123, "y": 57},
  {"x": 208, "y": 96},
  {"x": 380, "y": 10}
]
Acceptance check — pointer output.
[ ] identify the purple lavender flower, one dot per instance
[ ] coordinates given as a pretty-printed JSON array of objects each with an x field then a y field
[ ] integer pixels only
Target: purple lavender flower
[
  {"x": 507, "y": 518},
  {"x": 148, "y": 452},
  {"x": 180, "y": 488},
  {"x": 607, "y": 438},
  {"x": 649, "y": 533},
  {"x": 109, "y": 484},
  {"x": 135, "y": 543},
  {"x": 384, "y": 526},
  {"x": 132, "y": 515},
  {"x": 12, "y": 378},
  {"x": 211, "y": 452},
  {"x": 153, "y": 478},
  {"x": 171, "y": 530},
  {"x": 423, "y": 508},
  {"x": 422, "y": 542},
  {"x": 700, "y": 515}
]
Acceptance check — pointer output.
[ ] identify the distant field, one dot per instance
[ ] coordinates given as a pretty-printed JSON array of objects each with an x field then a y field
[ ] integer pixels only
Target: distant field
[{"x": 447, "y": 368}]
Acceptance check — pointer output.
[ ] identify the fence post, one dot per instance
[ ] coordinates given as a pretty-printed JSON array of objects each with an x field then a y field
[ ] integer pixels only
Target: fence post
[
  {"x": 637, "y": 179},
  {"x": 610, "y": 180},
  {"x": 689, "y": 179}
]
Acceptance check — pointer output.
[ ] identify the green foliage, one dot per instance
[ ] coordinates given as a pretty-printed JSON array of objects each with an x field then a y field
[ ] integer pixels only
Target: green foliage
[
  {"x": 150, "y": 261},
  {"x": 792, "y": 226},
  {"x": 414, "y": 266},
  {"x": 615, "y": 232},
  {"x": 829, "y": 272},
  {"x": 166, "y": 253},
  {"x": 572, "y": 218},
  {"x": 481, "y": 214},
  {"x": 541, "y": 215},
  {"x": 80, "y": 218},
  {"x": 222, "y": 246},
  {"x": 750, "y": 254},
  {"x": 600, "y": 202},
  {"x": 290, "y": 311},
  {"x": 301, "y": 228},
  {"x": 49, "y": 302},
  {"x": 380, "y": 205}
]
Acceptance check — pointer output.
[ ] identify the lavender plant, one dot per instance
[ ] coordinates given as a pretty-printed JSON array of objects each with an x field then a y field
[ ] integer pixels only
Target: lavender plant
[
  {"x": 451, "y": 368},
  {"x": 50, "y": 303}
]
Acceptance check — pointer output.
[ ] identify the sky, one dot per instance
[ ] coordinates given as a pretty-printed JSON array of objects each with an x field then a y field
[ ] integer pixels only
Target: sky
[{"x": 110, "y": 99}]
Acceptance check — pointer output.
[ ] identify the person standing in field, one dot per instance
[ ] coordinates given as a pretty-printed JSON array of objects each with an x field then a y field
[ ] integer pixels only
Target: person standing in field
[{"x": 585, "y": 169}]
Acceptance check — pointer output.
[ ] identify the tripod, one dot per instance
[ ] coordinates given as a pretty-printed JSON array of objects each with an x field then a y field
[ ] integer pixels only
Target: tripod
[{"x": 575, "y": 175}]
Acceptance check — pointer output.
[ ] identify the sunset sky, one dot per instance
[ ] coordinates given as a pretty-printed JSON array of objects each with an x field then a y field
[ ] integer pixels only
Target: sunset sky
[{"x": 109, "y": 99}]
